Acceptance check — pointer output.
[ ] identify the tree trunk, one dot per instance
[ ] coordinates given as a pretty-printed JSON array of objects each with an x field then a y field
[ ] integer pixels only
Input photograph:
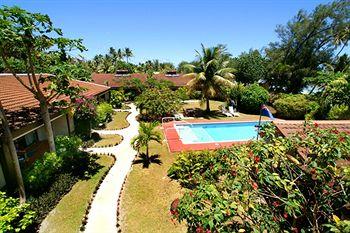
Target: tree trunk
[
  {"x": 48, "y": 126},
  {"x": 208, "y": 105},
  {"x": 147, "y": 152},
  {"x": 13, "y": 153}
]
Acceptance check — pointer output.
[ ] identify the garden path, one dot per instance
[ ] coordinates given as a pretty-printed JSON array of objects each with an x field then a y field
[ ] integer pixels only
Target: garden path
[{"x": 103, "y": 213}]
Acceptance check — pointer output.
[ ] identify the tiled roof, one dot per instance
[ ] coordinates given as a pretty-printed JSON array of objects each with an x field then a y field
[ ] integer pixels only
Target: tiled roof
[
  {"x": 288, "y": 128},
  {"x": 15, "y": 97},
  {"x": 113, "y": 80}
]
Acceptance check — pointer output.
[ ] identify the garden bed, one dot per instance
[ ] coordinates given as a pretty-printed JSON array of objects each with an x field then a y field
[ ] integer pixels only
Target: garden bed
[
  {"x": 118, "y": 121},
  {"x": 64, "y": 218},
  {"x": 108, "y": 140}
]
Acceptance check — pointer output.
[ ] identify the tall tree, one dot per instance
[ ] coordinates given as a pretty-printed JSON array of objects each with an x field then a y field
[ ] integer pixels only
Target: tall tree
[
  {"x": 128, "y": 53},
  {"x": 31, "y": 40},
  {"x": 211, "y": 74},
  {"x": 306, "y": 42},
  {"x": 251, "y": 67},
  {"x": 13, "y": 153}
]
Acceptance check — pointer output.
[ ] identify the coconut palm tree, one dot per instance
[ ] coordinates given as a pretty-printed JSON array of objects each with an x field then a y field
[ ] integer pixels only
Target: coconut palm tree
[
  {"x": 128, "y": 53},
  {"x": 147, "y": 134},
  {"x": 211, "y": 74}
]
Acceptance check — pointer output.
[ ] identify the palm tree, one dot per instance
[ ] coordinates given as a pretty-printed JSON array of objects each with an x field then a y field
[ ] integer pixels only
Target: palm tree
[
  {"x": 211, "y": 74},
  {"x": 120, "y": 54},
  {"x": 147, "y": 134},
  {"x": 128, "y": 53}
]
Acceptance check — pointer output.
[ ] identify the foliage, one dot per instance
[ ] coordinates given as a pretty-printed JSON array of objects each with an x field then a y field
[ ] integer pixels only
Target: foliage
[
  {"x": 267, "y": 185},
  {"x": 104, "y": 112},
  {"x": 337, "y": 92},
  {"x": 293, "y": 106},
  {"x": 154, "y": 83},
  {"x": 133, "y": 87},
  {"x": 306, "y": 42},
  {"x": 182, "y": 93},
  {"x": 85, "y": 108},
  {"x": 44, "y": 203},
  {"x": 42, "y": 172},
  {"x": 155, "y": 103},
  {"x": 235, "y": 93},
  {"x": 253, "y": 97},
  {"x": 147, "y": 134},
  {"x": 211, "y": 74},
  {"x": 14, "y": 217},
  {"x": 156, "y": 66},
  {"x": 339, "y": 112},
  {"x": 251, "y": 67},
  {"x": 117, "y": 98}
]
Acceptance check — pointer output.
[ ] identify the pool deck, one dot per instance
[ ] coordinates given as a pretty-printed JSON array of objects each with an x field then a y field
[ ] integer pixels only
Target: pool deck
[{"x": 175, "y": 144}]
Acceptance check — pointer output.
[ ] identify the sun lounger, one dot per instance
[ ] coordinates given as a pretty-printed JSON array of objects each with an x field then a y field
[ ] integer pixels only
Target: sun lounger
[{"x": 233, "y": 112}]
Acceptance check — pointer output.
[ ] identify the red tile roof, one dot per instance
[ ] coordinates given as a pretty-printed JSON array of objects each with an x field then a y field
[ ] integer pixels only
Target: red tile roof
[
  {"x": 288, "y": 128},
  {"x": 15, "y": 97},
  {"x": 113, "y": 80}
]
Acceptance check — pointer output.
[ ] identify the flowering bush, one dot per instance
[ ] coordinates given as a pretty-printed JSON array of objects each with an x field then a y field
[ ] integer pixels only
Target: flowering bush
[{"x": 276, "y": 184}]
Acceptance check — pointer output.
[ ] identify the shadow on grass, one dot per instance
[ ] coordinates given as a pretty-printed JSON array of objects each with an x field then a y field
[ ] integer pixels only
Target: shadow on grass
[{"x": 146, "y": 162}]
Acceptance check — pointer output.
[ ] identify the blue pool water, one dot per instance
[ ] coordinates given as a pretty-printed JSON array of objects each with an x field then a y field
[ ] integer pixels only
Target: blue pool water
[{"x": 217, "y": 132}]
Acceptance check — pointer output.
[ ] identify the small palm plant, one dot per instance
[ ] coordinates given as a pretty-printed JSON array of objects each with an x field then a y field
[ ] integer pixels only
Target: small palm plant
[{"x": 146, "y": 135}]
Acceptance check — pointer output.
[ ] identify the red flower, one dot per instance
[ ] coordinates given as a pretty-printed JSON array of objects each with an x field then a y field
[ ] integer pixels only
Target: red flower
[
  {"x": 174, "y": 205},
  {"x": 341, "y": 139},
  {"x": 335, "y": 131},
  {"x": 208, "y": 231},
  {"x": 233, "y": 172},
  {"x": 262, "y": 134},
  {"x": 200, "y": 229},
  {"x": 285, "y": 215},
  {"x": 255, "y": 186},
  {"x": 251, "y": 154},
  {"x": 316, "y": 124},
  {"x": 325, "y": 191},
  {"x": 257, "y": 159},
  {"x": 256, "y": 170},
  {"x": 275, "y": 219},
  {"x": 275, "y": 203}
]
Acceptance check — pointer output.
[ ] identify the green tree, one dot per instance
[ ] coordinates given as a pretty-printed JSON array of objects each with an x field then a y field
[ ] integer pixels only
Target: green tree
[
  {"x": 211, "y": 75},
  {"x": 251, "y": 67},
  {"x": 31, "y": 40},
  {"x": 128, "y": 53},
  {"x": 306, "y": 42},
  {"x": 147, "y": 134}
]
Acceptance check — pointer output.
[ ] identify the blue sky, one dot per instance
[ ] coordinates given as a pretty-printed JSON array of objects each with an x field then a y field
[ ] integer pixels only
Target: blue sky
[{"x": 169, "y": 30}]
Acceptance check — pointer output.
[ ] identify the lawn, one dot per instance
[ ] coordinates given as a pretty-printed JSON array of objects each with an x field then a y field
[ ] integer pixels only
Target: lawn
[
  {"x": 119, "y": 121},
  {"x": 67, "y": 215},
  {"x": 148, "y": 194},
  {"x": 214, "y": 105},
  {"x": 108, "y": 140}
]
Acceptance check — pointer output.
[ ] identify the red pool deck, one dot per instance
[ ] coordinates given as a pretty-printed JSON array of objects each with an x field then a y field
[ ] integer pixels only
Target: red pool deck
[{"x": 175, "y": 144}]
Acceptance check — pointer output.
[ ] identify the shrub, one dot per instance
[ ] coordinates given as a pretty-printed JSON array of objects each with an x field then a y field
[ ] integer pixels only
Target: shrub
[
  {"x": 156, "y": 103},
  {"x": 117, "y": 98},
  {"x": 236, "y": 92},
  {"x": 40, "y": 174},
  {"x": 73, "y": 160},
  {"x": 104, "y": 113},
  {"x": 182, "y": 92},
  {"x": 14, "y": 217},
  {"x": 44, "y": 203},
  {"x": 339, "y": 112},
  {"x": 267, "y": 185},
  {"x": 292, "y": 106},
  {"x": 253, "y": 97}
]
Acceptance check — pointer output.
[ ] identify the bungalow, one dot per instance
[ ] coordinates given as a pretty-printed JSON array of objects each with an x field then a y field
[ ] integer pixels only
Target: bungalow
[
  {"x": 22, "y": 111},
  {"x": 121, "y": 77}
]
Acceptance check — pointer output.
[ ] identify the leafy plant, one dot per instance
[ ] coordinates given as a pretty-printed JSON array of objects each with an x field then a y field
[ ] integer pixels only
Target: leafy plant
[
  {"x": 41, "y": 173},
  {"x": 252, "y": 97},
  {"x": 155, "y": 103},
  {"x": 117, "y": 98},
  {"x": 14, "y": 217},
  {"x": 275, "y": 184},
  {"x": 339, "y": 112},
  {"x": 104, "y": 113},
  {"x": 293, "y": 106}
]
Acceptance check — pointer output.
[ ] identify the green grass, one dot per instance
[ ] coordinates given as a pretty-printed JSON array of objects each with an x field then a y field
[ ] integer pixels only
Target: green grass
[
  {"x": 119, "y": 121},
  {"x": 108, "y": 140},
  {"x": 148, "y": 194},
  {"x": 67, "y": 215}
]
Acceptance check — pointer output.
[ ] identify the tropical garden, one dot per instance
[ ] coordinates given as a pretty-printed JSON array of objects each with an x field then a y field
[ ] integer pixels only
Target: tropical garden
[{"x": 299, "y": 183}]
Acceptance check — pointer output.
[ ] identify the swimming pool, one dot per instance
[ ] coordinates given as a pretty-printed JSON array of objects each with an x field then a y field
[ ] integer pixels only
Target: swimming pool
[{"x": 216, "y": 132}]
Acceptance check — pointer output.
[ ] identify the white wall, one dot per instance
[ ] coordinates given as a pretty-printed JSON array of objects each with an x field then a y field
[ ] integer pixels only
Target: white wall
[
  {"x": 2, "y": 178},
  {"x": 59, "y": 126}
]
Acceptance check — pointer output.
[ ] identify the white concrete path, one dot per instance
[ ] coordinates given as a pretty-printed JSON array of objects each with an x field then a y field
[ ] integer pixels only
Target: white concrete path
[{"x": 102, "y": 217}]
